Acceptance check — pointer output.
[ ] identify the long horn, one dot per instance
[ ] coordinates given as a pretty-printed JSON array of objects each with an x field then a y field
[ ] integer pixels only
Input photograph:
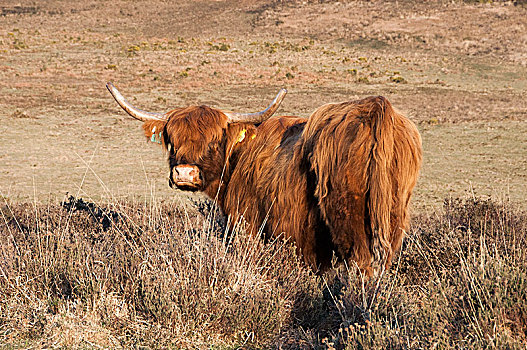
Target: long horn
[
  {"x": 127, "y": 106},
  {"x": 258, "y": 117}
]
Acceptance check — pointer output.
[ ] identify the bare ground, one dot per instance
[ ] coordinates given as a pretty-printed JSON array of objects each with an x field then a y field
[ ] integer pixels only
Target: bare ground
[{"x": 457, "y": 69}]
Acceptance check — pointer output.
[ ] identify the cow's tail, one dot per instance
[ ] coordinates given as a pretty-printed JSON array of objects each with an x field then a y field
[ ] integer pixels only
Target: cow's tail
[{"x": 379, "y": 179}]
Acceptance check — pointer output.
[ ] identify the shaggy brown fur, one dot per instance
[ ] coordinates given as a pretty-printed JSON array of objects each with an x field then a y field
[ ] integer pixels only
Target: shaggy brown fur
[{"x": 339, "y": 181}]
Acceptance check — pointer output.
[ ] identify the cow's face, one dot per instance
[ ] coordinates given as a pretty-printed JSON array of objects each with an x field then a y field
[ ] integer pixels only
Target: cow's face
[
  {"x": 201, "y": 141},
  {"x": 194, "y": 140}
]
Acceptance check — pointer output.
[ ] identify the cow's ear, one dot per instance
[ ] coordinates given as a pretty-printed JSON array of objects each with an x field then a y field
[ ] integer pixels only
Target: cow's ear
[
  {"x": 240, "y": 133},
  {"x": 154, "y": 130}
]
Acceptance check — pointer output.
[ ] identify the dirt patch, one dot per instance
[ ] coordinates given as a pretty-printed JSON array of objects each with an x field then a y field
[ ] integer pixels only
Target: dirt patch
[
  {"x": 18, "y": 10},
  {"x": 22, "y": 115},
  {"x": 475, "y": 29}
]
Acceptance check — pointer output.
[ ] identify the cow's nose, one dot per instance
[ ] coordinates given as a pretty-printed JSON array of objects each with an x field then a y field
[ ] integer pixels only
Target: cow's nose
[
  {"x": 187, "y": 173},
  {"x": 186, "y": 177}
]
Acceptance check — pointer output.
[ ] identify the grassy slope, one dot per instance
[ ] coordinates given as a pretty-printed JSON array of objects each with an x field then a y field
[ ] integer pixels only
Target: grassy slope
[{"x": 456, "y": 69}]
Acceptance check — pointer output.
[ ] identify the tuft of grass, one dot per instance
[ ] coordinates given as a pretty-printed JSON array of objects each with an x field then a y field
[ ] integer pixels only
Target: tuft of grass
[
  {"x": 398, "y": 79},
  {"x": 133, "y": 49},
  {"x": 19, "y": 44},
  {"x": 220, "y": 47},
  {"x": 363, "y": 80}
]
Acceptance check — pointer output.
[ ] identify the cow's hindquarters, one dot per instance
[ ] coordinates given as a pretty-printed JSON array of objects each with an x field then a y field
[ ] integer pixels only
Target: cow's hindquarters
[{"x": 364, "y": 180}]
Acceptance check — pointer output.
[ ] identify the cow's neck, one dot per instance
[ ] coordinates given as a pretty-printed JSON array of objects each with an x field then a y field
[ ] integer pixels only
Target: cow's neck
[
  {"x": 216, "y": 190},
  {"x": 216, "y": 193}
]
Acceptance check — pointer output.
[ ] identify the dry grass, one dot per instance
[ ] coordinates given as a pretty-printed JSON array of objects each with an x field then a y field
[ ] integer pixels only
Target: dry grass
[
  {"x": 81, "y": 275},
  {"x": 144, "y": 274}
]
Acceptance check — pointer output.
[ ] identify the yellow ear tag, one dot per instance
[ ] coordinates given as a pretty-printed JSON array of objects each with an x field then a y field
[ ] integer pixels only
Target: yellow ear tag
[{"x": 241, "y": 137}]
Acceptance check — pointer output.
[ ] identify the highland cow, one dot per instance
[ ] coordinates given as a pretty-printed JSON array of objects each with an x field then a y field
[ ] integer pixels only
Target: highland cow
[{"x": 337, "y": 183}]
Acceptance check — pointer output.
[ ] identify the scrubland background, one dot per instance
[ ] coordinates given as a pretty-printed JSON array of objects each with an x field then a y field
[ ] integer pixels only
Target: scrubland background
[{"x": 127, "y": 262}]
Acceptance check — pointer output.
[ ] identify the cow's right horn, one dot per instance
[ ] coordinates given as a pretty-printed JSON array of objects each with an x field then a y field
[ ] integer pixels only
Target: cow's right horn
[
  {"x": 133, "y": 111},
  {"x": 258, "y": 117}
]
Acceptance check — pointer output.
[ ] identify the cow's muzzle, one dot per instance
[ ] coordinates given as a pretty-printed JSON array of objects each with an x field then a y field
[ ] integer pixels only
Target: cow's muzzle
[{"x": 186, "y": 177}]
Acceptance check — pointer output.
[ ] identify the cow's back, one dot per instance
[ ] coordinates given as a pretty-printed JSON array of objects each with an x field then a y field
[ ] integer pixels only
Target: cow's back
[
  {"x": 273, "y": 190},
  {"x": 314, "y": 181}
]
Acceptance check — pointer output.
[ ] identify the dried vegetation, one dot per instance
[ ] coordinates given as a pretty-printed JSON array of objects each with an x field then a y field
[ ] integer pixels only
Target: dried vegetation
[{"x": 148, "y": 274}]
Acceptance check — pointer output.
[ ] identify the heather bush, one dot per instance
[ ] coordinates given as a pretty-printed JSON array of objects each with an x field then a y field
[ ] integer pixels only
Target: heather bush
[
  {"x": 173, "y": 280},
  {"x": 459, "y": 282},
  {"x": 128, "y": 274}
]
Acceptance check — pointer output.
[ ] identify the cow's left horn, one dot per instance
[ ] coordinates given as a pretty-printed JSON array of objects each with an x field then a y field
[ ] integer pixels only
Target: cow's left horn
[
  {"x": 133, "y": 111},
  {"x": 258, "y": 117}
]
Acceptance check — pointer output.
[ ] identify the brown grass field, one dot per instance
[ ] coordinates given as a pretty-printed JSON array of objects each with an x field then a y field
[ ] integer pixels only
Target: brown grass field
[{"x": 129, "y": 263}]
